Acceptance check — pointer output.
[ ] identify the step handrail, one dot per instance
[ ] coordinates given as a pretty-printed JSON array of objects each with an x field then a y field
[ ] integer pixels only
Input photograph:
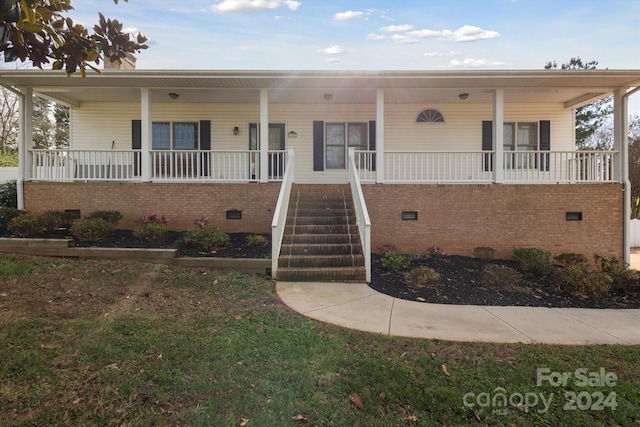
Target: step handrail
[
  {"x": 280, "y": 213},
  {"x": 362, "y": 214}
]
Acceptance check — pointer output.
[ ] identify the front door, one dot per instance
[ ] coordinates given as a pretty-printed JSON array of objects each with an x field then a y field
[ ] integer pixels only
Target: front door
[{"x": 276, "y": 149}]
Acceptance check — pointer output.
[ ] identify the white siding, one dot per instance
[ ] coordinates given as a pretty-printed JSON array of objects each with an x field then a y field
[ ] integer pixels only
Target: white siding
[{"x": 96, "y": 125}]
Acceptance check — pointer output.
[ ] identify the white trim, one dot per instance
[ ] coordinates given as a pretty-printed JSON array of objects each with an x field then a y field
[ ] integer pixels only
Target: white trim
[
  {"x": 264, "y": 135},
  {"x": 380, "y": 135},
  {"x": 498, "y": 134},
  {"x": 146, "y": 132}
]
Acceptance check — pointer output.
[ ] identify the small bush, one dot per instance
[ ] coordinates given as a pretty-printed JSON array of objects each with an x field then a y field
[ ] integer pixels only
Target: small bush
[
  {"x": 206, "y": 236},
  {"x": 608, "y": 265},
  {"x": 112, "y": 217},
  {"x": 393, "y": 259},
  {"x": 6, "y": 215},
  {"x": 53, "y": 220},
  {"x": 533, "y": 260},
  {"x": 579, "y": 280},
  {"x": 628, "y": 281},
  {"x": 436, "y": 251},
  {"x": 26, "y": 225},
  {"x": 421, "y": 276},
  {"x": 570, "y": 258},
  {"x": 484, "y": 252},
  {"x": 8, "y": 194},
  {"x": 256, "y": 240},
  {"x": 152, "y": 228},
  {"x": 496, "y": 276},
  {"x": 91, "y": 229}
]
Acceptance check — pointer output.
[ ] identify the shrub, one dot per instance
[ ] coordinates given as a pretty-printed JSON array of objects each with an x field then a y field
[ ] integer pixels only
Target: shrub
[
  {"x": 628, "y": 281},
  {"x": 608, "y": 265},
  {"x": 112, "y": 217},
  {"x": 421, "y": 276},
  {"x": 496, "y": 276},
  {"x": 91, "y": 229},
  {"x": 8, "y": 194},
  {"x": 6, "y": 215},
  {"x": 206, "y": 236},
  {"x": 436, "y": 251},
  {"x": 152, "y": 228},
  {"x": 484, "y": 252},
  {"x": 579, "y": 280},
  {"x": 256, "y": 240},
  {"x": 533, "y": 260},
  {"x": 570, "y": 258},
  {"x": 53, "y": 220},
  {"x": 393, "y": 259},
  {"x": 26, "y": 225}
]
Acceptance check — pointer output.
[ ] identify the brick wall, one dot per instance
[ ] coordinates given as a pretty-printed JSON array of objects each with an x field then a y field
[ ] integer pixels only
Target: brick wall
[
  {"x": 181, "y": 203},
  {"x": 458, "y": 218}
]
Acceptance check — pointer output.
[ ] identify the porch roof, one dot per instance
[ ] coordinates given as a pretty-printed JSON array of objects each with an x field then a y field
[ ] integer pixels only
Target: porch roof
[{"x": 569, "y": 87}]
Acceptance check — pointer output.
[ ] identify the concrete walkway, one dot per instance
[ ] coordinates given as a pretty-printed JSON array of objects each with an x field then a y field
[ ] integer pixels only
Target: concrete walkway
[{"x": 357, "y": 306}]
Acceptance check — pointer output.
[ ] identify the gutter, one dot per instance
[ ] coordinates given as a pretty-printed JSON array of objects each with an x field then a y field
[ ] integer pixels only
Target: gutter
[
  {"x": 21, "y": 145},
  {"x": 625, "y": 177}
]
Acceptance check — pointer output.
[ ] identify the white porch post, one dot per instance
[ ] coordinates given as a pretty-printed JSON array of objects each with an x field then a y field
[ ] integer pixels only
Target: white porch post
[
  {"x": 264, "y": 135},
  {"x": 25, "y": 141},
  {"x": 498, "y": 134},
  {"x": 380, "y": 136},
  {"x": 145, "y": 134},
  {"x": 621, "y": 163}
]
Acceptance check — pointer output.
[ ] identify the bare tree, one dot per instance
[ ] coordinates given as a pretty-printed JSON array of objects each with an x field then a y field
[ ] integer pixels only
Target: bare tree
[{"x": 8, "y": 120}]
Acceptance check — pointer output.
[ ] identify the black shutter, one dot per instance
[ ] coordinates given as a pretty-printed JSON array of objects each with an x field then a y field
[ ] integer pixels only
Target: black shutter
[
  {"x": 545, "y": 143},
  {"x": 487, "y": 144},
  {"x": 372, "y": 144},
  {"x": 205, "y": 145},
  {"x": 136, "y": 144},
  {"x": 318, "y": 146}
]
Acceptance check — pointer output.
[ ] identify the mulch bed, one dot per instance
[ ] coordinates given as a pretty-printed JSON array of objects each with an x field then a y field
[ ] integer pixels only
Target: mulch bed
[{"x": 461, "y": 283}]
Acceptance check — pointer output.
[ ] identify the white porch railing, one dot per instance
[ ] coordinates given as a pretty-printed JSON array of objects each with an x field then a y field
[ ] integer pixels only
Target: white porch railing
[
  {"x": 478, "y": 167},
  {"x": 280, "y": 213},
  {"x": 362, "y": 214},
  {"x": 126, "y": 165}
]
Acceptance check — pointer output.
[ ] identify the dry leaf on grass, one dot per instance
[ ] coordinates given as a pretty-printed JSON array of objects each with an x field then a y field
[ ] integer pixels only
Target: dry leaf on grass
[
  {"x": 300, "y": 417},
  {"x": 382, "y": 395},
  {"x": 357, "y": 400},
  {"x": 445, "y": 369},
  {"x": 244, "y": 421}
]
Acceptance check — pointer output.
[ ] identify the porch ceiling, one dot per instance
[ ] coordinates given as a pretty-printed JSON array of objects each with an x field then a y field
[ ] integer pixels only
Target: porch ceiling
[{"x": 308, "y": 87}]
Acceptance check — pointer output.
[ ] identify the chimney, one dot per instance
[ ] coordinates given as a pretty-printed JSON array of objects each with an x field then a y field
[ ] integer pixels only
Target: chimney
[{"x": 128, "y": 63}]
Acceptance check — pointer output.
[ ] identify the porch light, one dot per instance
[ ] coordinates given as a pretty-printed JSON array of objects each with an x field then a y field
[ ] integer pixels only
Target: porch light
[
  {"x": 173, "y": 95},
  {"x": 463, "y": 96},
  {"x": 236, "y": 130},
  {"x": 327, "y": 96},
  {"x": 292, "y": 134}
]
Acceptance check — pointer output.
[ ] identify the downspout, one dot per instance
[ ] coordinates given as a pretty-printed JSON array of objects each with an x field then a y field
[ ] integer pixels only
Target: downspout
[
  {"x": 21, "y": 165},
  {"x": 625, "y": 175}
]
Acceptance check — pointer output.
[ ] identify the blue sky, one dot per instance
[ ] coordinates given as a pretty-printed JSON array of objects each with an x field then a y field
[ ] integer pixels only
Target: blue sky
[{"x": 377, "y": 35}]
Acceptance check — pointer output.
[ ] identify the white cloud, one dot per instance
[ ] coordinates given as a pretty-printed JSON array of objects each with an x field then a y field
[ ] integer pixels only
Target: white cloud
[
  {"x": 441, "y": 54},
  {"x": 397, "y": 28},
  {"x": 475, "y": 63},
  {"x": 130, "y": 30},
  {"x": 466, "y": 33},
  {"x": 373, "y": 36},
  {"x": 333, "y": 50},
  {"x": 333, "y": 60},
  {"x": 253, "y": 5},
  {"x": 348, "y": 15},
  {"x": 402, "y": 39}
]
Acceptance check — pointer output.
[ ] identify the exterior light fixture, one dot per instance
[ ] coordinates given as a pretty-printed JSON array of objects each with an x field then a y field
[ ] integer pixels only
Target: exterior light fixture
[
  {"x": 173, "y": 95},
  {"x": 292, "y": 134},
  {"x": 463, "y": 96},
  {"x": 236, "y": 130},
  {"x": 327, "y": 96}
]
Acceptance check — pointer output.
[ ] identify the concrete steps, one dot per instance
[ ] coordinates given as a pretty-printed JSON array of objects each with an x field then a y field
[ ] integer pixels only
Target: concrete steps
[{"x": 321, "y": 241}]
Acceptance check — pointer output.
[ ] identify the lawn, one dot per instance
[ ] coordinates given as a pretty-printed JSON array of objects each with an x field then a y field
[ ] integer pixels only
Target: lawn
[{"x": 85, "y": 342}]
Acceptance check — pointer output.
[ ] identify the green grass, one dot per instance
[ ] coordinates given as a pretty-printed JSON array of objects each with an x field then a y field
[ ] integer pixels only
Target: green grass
[{"x": 200, "y": 347}]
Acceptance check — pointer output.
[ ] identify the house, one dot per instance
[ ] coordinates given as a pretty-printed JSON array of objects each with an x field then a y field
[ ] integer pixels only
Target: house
[{"x": 454, "y": 159}]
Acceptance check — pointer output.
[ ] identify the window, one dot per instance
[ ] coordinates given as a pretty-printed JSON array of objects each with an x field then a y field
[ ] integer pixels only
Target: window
[
  {"x": 430, "y": 116},
  {"x": 520, "y": 139},
  {"x": 174, "y": 136},
  {"x": 339, "y": 136}
]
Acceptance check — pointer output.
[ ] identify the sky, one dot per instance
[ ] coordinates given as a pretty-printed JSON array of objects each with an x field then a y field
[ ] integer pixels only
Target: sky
[{"x": 376, "y": 35}]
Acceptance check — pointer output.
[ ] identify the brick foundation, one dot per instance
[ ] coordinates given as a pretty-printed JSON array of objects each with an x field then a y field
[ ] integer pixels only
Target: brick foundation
[
  {"x": 456, "y": 218},
  {"x": 181, "y": 203},
  {"x": 459, "y": 218}
]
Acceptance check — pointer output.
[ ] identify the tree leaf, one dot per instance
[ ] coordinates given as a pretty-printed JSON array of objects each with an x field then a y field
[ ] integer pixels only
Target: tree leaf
[
  {"x": 445, "y": 369},
  {"x": 357, "y": 400},
  {"x": 244, "y": 421},
  {"x": 300, "y": 417}
]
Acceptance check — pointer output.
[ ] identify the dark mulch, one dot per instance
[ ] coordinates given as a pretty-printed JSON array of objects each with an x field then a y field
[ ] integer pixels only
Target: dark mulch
[
  {"x": 238, "y": 247},
  {"x": 461, "y": 283}
]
